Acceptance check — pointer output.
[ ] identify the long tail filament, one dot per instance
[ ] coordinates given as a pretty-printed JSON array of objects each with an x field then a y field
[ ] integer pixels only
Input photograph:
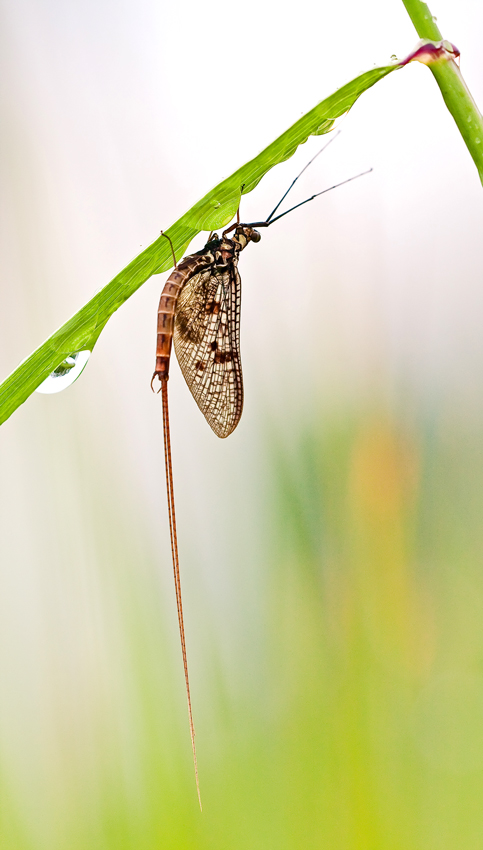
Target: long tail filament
[{"x": 174, "y": 551}]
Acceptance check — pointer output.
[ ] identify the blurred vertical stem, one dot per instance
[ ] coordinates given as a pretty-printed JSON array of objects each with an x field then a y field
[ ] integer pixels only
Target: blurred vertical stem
[{"x": 456, "y": 94}]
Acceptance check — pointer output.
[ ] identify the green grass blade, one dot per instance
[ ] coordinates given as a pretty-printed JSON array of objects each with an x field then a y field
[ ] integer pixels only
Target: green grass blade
[
  {"x": 456, "y": 94},
  {"x": 213, "y": 211}
]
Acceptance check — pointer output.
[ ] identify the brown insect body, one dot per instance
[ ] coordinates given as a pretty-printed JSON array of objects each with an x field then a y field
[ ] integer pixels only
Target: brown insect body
[{"x": 200, "y": 309}]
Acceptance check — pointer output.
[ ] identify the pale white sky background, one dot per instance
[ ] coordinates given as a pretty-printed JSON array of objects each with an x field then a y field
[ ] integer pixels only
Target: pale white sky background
[{"x": 116, "y": 118}]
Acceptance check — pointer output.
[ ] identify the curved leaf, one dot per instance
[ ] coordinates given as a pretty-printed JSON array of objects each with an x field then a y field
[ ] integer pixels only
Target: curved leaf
[{"x": 213, "y": 211}]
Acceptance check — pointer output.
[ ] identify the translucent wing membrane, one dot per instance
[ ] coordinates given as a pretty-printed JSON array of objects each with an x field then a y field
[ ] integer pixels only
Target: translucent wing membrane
[{"x": 207, "y": 344}]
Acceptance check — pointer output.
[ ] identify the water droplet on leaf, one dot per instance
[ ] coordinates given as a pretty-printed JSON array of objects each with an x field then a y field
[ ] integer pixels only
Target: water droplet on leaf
[
  {"x": 66, "y": 373},
  {"x": 393, "y": 58}
]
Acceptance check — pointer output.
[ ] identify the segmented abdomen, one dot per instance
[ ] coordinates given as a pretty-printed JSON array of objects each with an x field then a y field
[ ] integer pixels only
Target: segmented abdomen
[{"x": 167, "y": 309}]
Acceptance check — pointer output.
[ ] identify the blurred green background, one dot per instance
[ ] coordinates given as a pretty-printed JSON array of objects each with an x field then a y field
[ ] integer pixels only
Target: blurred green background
[{"x": 332, "y": 548}]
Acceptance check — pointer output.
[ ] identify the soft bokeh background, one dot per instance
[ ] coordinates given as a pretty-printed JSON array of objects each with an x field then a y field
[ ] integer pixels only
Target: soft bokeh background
[{"x": 332, "y": 548}]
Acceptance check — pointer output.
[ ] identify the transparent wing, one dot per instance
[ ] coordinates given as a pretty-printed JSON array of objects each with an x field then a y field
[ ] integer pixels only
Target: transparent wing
[{"x": 207, "y": 345}]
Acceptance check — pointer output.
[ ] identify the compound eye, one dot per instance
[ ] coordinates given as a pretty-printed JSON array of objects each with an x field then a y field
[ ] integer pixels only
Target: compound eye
[{"x": 255, "y": 236}]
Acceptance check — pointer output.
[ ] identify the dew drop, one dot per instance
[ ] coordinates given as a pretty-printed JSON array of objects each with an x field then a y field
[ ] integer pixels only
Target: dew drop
[
  {"x": 393, "y": 58},
  {"x": 66, "y": 373},
  {"x": 434, "y": 18}
]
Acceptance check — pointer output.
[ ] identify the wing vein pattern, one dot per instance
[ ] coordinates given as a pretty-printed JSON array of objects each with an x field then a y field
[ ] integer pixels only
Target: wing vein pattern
[{"x": 207, "y": 344}]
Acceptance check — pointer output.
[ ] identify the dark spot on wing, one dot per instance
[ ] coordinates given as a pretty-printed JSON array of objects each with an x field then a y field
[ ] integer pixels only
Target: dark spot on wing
[
  {"x": 223, "y": 356},
  {"x": 213, "y": 307}
]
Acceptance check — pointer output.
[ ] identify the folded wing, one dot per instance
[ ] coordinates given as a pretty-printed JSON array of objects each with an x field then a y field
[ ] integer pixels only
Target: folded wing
[{"x": 207, "y": 344}]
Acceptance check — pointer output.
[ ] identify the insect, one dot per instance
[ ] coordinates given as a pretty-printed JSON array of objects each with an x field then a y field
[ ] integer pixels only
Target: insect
[{"x": 199, "y": 309}]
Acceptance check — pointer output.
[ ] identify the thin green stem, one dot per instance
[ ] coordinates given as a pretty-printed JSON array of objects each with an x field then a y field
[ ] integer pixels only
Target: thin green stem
[
  {"x": 456, "y": 94},
  {"x": 424, "y": 22}
]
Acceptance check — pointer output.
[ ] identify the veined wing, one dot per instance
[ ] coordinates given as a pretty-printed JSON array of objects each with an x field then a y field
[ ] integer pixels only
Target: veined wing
[{"x": 207, "y": 344}]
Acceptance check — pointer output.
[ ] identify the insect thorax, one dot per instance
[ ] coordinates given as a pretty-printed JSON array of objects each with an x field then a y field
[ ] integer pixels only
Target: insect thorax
[{"x": 224, "y": 250}]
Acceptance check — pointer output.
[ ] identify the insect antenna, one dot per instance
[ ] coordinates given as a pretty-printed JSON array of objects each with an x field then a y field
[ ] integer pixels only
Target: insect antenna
[
  {"x": 335, "y": 186},
  {"x": 177, "y": 580},
  {"x": 270, "y": 220},
  {"x": 300, "y": 175}
]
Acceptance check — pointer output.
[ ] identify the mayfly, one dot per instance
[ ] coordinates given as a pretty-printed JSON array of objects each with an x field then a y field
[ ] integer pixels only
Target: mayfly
[{"x": 199, "y": 309}]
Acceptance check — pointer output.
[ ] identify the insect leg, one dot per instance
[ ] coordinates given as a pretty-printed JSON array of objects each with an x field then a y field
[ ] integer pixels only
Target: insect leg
[{"x": 172, "y": 249}]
